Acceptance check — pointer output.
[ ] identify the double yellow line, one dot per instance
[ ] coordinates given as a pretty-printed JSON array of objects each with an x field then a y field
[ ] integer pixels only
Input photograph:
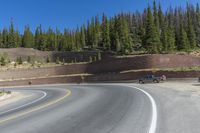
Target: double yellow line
[{"x": 68, "y": 93}]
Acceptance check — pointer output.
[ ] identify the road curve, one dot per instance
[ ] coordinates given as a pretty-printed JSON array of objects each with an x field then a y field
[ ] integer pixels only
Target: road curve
[{"x": 88, "y": 109}]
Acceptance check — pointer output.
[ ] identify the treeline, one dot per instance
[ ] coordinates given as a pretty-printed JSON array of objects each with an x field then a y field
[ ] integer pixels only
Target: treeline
[{"x": 151, "y": 31}]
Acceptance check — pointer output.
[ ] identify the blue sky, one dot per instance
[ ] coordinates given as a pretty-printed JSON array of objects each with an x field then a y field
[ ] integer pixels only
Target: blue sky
[{"x": 68, "y": 13}]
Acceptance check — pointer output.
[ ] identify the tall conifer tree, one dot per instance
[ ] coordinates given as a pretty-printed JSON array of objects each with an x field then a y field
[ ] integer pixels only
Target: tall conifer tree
[{"x": 152, "y": 40}]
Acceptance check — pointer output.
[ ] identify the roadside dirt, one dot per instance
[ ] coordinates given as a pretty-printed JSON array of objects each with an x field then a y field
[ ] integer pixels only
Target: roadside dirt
[
  {"x": 177, "y": 105},
  {"x": 191, "y": 86},
  {"x": 10, "y": 98}
]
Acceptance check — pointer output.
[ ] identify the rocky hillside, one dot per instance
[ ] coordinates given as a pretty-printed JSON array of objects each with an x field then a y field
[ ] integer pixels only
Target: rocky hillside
[{"x": 14, "y": 53}]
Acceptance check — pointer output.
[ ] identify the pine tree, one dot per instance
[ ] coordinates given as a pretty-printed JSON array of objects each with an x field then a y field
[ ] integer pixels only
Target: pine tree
[
  {"x": 89, "y": 35},
  {"x": 112, "y": 34},
  {"x": 126, "y": 38},
  {"x": 83, "y": 43},
  {"x": 58, "y": 38},
  {"x": 184, "y": 42},
  {"x": 117, "y": 43},
  {"x": 160, "y": 16},
  {"x": 1, "y": 40},
  {"x": 38, "y": 38},
  {"x": 152, "y": 30},
  {"x": 170, "y": 32},
  {"x": 157, "y": 24},
  {"x": 105, "y": 33},
  {"x": 94, "y": 32},
  {"x": 163, "y": 29},
  {"x": 97, "y": 31},
  {"x": 135, "y": 32},
  {"x": 63, "y": 44},
  {"x": 152, "y": 40},
  {"x": 164, "y": 37},
  {"x": 77, "y": 40},
  {"x": 19, "y": 39},
  {"x": 11, "y": 36},
  {"x": 5, "y": 38},
  {"x": 198, "y": 25},
  {"x": 28, "y": 38},
  {"x": 94, "y": 40},
  {"x": 155, "y": 15},
  {"x": 37, "y": 34},
  {"x": 171, "y": 40},
  {"x": 177, "y": 27},
  {"x": 141, "y": 33},
  {"x": 191, "y": 32},
  {"x": 124, "y": 34},
  {"x": 167, "y": 38},
  {"x": 72, "y": 41},
  {"x": 50, "y": 42}
]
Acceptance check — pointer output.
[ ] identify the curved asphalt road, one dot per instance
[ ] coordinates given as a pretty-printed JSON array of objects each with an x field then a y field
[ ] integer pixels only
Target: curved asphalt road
[{"x": 87, "y": 109}]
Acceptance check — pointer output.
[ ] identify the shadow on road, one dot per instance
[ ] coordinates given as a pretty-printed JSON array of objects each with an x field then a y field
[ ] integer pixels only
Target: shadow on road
[{"x": 197, "y": 84}]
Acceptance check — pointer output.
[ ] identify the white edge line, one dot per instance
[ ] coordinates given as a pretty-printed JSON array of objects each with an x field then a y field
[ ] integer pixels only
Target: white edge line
[
  {"x": 153, "y": 125},
  {"x": 27, "y": 104}
]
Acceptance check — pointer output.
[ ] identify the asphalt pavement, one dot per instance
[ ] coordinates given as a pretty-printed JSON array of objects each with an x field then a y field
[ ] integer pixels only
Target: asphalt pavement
[{"x": 99, "y": 108}]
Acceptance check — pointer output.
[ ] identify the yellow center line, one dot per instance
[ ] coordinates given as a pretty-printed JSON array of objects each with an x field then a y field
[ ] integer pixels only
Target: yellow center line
[{"x": 36, "y": 109}]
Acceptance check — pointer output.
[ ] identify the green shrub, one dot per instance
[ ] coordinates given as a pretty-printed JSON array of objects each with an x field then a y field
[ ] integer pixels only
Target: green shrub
[
  {"x": 15, "y": 65},
  {"x": 99, "y": 56},
  {"x": 19, "y": 60},
  {"x": 8, "y": 60},
  {"x": 63, "y": 62},
  {"x": 29, "y": 59},
  {"x": 32, "y": 64},
  {"x": 90, "y": 59},
  {"x": 95, "y": 59},
  {"x": 2, "y": 61},
  {"x": 57, "y": 60},
  {"x": 8, "y": 92},
  {"x": 48, "y": 59}
]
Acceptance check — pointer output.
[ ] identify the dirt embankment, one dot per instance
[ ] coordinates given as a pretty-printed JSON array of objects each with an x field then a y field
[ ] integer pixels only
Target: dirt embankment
[
  {"x": 143, "y": 62},
  {"x": 109, "y": 65},
  {"x": 37, "y": 55},
  {"x": 108, "y": 69}
]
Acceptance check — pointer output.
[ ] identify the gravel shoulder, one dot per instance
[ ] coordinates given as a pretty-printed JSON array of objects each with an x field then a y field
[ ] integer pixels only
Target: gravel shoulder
[
  {"x": 178, "y": 104},
  {"x": 190, "y": 86},
  {"x": 10, "y": 98}
]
